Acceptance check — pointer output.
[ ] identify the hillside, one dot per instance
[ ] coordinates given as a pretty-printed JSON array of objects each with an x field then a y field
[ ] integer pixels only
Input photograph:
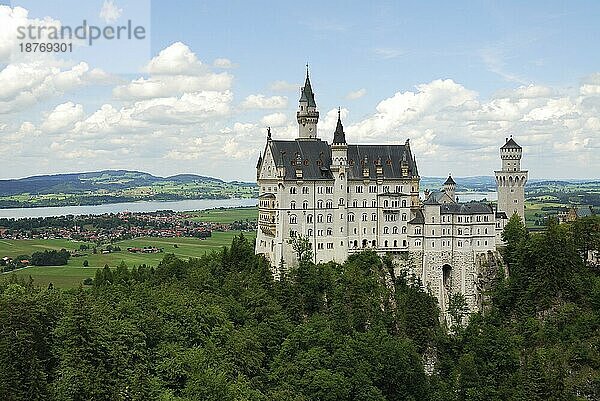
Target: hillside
[{"x": 114, "y": 186}]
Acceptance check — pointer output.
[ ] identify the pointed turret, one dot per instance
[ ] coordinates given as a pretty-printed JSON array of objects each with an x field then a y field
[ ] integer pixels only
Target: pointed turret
[
  {"x": 307, "y": 94},
  {"x": 338, "y": 136},
  {"x": 450, "y": 187}
]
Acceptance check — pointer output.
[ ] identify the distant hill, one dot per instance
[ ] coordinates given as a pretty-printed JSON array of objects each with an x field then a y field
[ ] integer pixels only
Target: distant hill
[{"x": 109, "y": 180}]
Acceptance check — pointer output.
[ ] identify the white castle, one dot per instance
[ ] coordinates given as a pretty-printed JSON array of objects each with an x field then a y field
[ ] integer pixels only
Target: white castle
[{"x": 346, "y": 198}]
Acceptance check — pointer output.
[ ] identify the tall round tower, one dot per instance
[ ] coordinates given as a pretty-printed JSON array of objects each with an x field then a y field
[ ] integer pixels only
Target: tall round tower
[
  {"x": 307, "y": 114},
  {"x": 510, "y": 181}
]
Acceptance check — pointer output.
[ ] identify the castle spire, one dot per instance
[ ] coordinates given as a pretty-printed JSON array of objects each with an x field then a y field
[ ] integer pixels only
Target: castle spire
[{"x": 338, "y": 136}]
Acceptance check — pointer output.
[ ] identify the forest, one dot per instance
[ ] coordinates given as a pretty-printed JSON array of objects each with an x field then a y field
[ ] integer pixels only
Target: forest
[{"x": 219, "y": 327}]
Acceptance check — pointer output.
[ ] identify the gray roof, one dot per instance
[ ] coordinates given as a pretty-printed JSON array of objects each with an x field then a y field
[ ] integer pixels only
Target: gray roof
[
  {"x": 501, "y": 215},
  {"x": 390, "y": 157},
  {"x": 419, "y": 218},
  {"x": 511, "y": 144},
  {"x": 584, "y": 211},
  {"x": 435, "y": 198},
  {"x": 316, "y": 159},
  {"x": 307, "y": 93},
  {"x": 466, "y": 208},
  {"x": 449, "y": 181},
  {"x": 316, "y": 156},
  {"x": 338, "y": 135}
]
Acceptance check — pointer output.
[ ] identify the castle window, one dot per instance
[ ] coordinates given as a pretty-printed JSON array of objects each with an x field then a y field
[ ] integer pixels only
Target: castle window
[
  {"x": 329, "y": 218},
  {"x": 341, "y": 216},
  {"x": 293, "y": 205},
  {"x": 395, "y": 243},
  {"x": 355, "y": 203},
  {"x": 293, "y": 233},
  {"x": 305, "y": 205},
  {"x": 403, "y": 216},
  {"x": 309, "y": 218},
  {"x": 319, "y": 218},
  {"x": 460, "y": 243},
  {"x": 359, "y": 189},
  {"x": 373, "y": 216},
  {"x": 364, "y": 243},
  {"x": 328, "y": 190},
  {"x": 329, "y": 231},
  {"x": 364, "y": 203},
  {"x": 373, "y": 230},
  {"x": 386, "y": 230},
  {"x": 432, "y": 219},
  {"x": 386, "y": 203},
  {"x": 355, "y": 244},
  {"x": 404, "y": 230},
  {"x": 364, "y": 217},
  {"x": 373, "y": 189},
  {"x": 293, "y": 219},
  {"x": 395, "y": 230},
  {"x": 305, "y": 190},
  {"x": 330, "y": 245},
  {"x": 319, "y": 190},
  {"x": 341, "y": 202},
  {"x": 432, "y": 232},
  {"x": 385, "y": 244},
  {"x": 373, "y": 203},
  {"x": 309, "y": 232},
  {"x": 320, "y": 204},
  {"x": 460, "y": 231},
  {"x": 351, "y": 217},
  {"x": 485, "y": 243},
  {"x": 329, "y": 204},
  {"x": 398, "y": 190},
  {"x": 292, "y": 190},
  {"x": 485, "y": 231},
  {"x": 417, "y": 230},
  {"x": 355, "y": 231},
  {"x": 386, "y": 188},
  {"x": 373, "y": 243},
  {"x": 404, "y": 243},
  {"x": 320, "y": 245},
  {"x": 403, "y": 202},
  {"x": 417, "y": 243}
]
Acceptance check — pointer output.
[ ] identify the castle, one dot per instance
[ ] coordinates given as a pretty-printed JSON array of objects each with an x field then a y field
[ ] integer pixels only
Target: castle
[{"x": 345, "y": 198}]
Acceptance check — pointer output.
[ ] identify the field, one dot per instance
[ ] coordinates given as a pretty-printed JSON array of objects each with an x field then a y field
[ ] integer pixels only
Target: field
[{"x": 74, "y": 273}]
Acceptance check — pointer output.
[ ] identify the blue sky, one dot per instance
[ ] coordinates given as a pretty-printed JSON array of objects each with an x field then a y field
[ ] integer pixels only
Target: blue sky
[{"x": 454, "y": 77}]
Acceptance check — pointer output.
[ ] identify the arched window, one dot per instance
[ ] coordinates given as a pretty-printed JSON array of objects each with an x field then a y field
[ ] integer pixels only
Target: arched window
[
  {"x": 319, "y": 218},
  {"x": 329, "y": 218},
  {"x": 373, "y": 243},
  {"x": 351, "y": 217},
  {"x": 305, "y": 205},
  {"x": 309, "y": 232},
  {"x": 320, "y": 204},
  {"x": 404, "y": 230},
  {"x": 355, "y": 203},
  {"x": 329, "y": 231},
  {"x": 364, "y": 243},
  {"x": 364, "y": 203},
  {"x": 395, "y": 230},
  {"x": 395, "y": 243},
  {"x": 355, "y": 243},
  {"x": 403, "y": 202},
  {"x": 364, "y": 217},
  {"x": 329, "y": 204},
  {"x": 386, "y": 230},
  {"x": 293, "y": 219},
  {"x": 386, "y": 203},
  {"x": 341, "y": 202},
  {"x": 309, "y": 218},
  {"x": 460, "y": 231},
  {"x": 293, "y": 205},
  {"x": 404, "y": 243},
  {"x": 373, "y": 216},
  {"x": 385, "y": 244},
  {"x": 403, "y": 216}
]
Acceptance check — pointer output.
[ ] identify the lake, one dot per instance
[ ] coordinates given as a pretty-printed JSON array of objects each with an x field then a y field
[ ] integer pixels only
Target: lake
[
  {"x": 152, "y": 206},
  {"x": 177, "y": 206}
]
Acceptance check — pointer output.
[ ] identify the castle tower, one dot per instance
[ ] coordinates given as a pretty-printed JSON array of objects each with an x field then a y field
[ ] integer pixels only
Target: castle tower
[
  {"x": 339, "y": 170},
  {"x": 510, "y": 181},
  {"x": 450, "y": 187},
  {"x": 307, "y": 114}
]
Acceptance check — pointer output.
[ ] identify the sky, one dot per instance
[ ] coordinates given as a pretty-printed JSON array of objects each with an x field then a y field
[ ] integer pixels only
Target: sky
[{"x": 196, "y": 93}]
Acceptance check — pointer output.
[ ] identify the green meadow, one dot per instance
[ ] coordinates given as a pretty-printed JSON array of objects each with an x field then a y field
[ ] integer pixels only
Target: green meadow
[{"x": 74, "y": 273}]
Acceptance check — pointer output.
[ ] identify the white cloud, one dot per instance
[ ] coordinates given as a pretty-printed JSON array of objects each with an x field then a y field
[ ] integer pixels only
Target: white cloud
[
  {"x": 264, "y": 102},
  {"x": 274, "y": 120},
  {"x": 387, "y": 53},
  {"x": 283, "y": 86},
  {"x": 63, "y": 117},
  {"x": 223, "y": 63},
  {"x": 356, "y": 94},
  {"x": 110, "y": 12},
  {"x": 24, "y": 84},
  {"x": 174, "y": 71},
  {"x": 177, "y": 59}
]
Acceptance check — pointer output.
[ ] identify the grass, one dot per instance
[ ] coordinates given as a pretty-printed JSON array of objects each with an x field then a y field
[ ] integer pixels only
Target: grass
[{"x": 74, "y": 273}]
